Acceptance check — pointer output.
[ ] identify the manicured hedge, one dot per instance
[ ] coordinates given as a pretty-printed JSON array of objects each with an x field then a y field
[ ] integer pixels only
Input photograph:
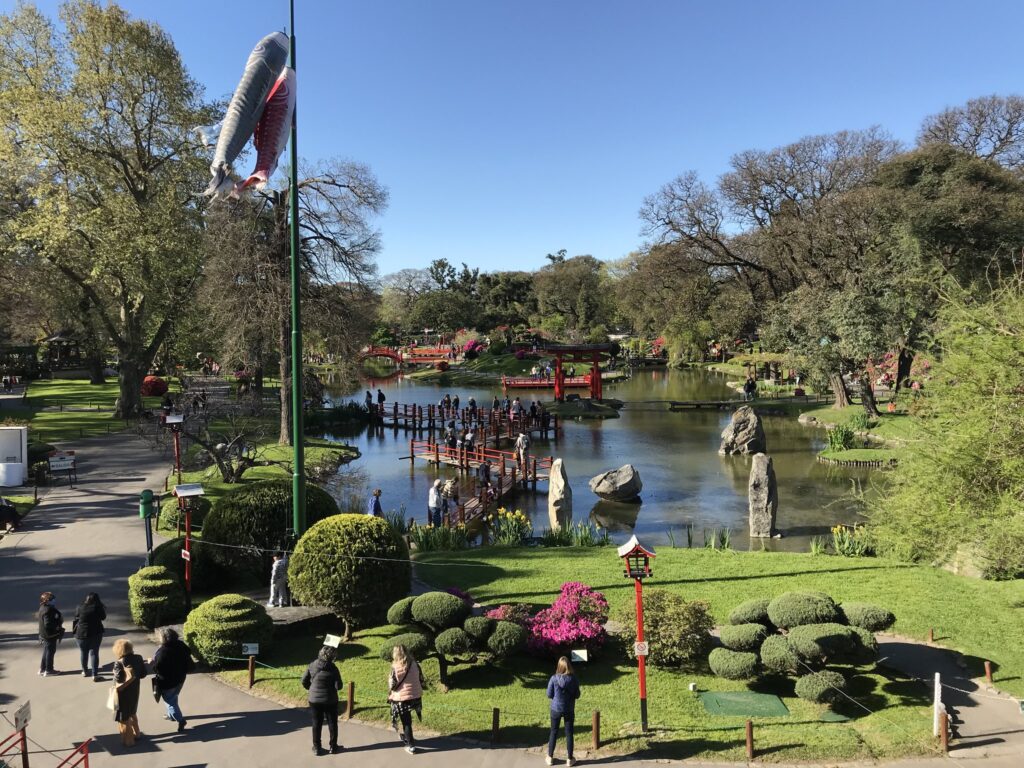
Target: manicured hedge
[
  {"x": 439, "y": 610},
  {"x": 218, "y": 627},
  {"x": 816, "y": 642},
  {"x": 508, "y": 638},
  {"x": 793, "y": 609},
  {"x": 751, "y": 612},
  {"x": 169, "y": 512},
  {"x": 873, "y": 618},
  {"x": 155, "y": 597},
  {"x": 453, "y": 642},
  {"x": 479, "y": 628},
  {"x": 743, "y": 637},
  {"x": 357, "y": 565},
  {"x": 207, "y": 573},
  {"x": 734, "y": 665},
  {"x": 778, "y": 657},
  {"x": 400, "y": 613},
  {"x": 821, "y": 686},
  {"x": 417, "y": 643},
  {"x": 257, "y": 516}
]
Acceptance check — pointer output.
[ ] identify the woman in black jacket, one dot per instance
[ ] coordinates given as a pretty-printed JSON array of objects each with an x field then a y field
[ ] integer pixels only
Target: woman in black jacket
[
  {"x": 323, "y": 681},
  {"x": 51, "y": 629},
  {"x": 88, "y": 629}
]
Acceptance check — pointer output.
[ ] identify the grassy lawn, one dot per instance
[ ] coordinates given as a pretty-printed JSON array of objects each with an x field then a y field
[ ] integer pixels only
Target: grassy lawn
[{"x": 974, "y": 617}]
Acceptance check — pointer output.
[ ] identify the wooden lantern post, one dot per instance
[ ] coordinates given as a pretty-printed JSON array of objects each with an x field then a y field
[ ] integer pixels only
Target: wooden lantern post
[{"x": 637, "y": 559}]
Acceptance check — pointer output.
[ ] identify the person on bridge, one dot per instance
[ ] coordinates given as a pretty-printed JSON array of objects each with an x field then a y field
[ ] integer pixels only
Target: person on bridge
[
  {"x": 455, "y": 405},
  {"x": 495, "y": 404},
  {"x": 369, "y": 402},
  {"x": 380, "y": 400},
  {"x": 471, "y": 404},
  {"x": 373, "y": 507},
  {"x": 522, "y": 448},
  {"x": 483, "y": 474},
  {"x": 434, "y": 503}
]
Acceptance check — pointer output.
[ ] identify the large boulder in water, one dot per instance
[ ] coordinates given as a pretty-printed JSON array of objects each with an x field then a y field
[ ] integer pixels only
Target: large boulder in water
[
  {"x": 622, "y": 484},
  {"x": 744, "y": 433},
  {"x": 559, "y": 496},
  {"x": 763, "y": 497}
]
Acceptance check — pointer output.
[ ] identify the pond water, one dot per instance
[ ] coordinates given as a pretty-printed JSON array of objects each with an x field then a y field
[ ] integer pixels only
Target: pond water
[{"x": 685, "y": 481}]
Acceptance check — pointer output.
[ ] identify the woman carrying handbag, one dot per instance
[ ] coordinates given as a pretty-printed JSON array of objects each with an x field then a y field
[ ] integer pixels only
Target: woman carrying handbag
[
  {"x": 129, "y": 669},
  {"x": 405, "y": 693}
]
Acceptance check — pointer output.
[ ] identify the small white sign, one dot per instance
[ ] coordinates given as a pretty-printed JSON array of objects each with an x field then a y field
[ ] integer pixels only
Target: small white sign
[
  {"x": 22, "y": 715},
  {"x": 250, "y": 649},
  {"x": 186, "y": 555},
  {"x": 580, "y": 655},
  {"x": 61, "y": 464},
  {"x": 640, "y": 649},
  {"x": 332, "y": 640}
]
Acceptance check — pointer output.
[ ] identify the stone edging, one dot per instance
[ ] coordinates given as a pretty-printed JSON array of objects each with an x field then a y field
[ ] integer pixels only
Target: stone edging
[{"x": 880, "y": 464}]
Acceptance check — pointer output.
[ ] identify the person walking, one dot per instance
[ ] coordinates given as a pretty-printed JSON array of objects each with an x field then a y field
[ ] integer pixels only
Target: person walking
[
  {"x": 129, "y": 669},
  {"x": 434, "y": 503},
  {"x": 405, "y": 693},
  {"x": 522, "y": 448},
  {"x": 171, "y": 664},
  {"x": 563, "y": 690},
  {"x": 279, "y": 596},
  {"x": 495, "y": 404},
  {"x": 380, "y": 400},
  {"x": 51, "y": 630},
  {"x": 471, "y": 404},
  {"x": 88, "y": 630},
  {"x": 323, "y": 681},
  {"x": 373, "y": 507},
  {"x": 369, "y": 401}
]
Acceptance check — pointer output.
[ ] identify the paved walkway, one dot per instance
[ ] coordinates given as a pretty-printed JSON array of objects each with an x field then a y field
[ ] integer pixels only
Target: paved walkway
[{"x": 90, "y": 538}]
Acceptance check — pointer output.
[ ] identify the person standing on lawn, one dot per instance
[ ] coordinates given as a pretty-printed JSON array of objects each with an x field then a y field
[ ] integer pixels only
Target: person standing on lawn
[
  {"x": 323, "y": 681},
  {"x": 171, "y": 664},
  {"x": 88, "y": 630},
  {"x": 563, "y": 690}
]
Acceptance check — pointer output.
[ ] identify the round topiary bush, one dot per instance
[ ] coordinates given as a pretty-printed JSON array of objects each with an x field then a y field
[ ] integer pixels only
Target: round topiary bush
[
  {"x": 417, "y": 643},
  {"x": 777, "y": 656},
  {"x": 400, "y": 613},
  {"x": 743, "y": 637},
  {"x": 818, "y": 642},
  {"x": 257, "y": 516},
  {"x": 751, "y": 612},
  {"x": 439, "y": 610},
  {"x": 169, "y": 512},
  {"x": 357, "y": 565},
  {"x": 155, "y": 597},
  {"x": 677, "y": 631},
  {"x": 218, "y": 627},
  {"x": 453, "y": 642},
  {"x": 873, "y": 618},
  {"x": 793, "y": 609},
  {"x": 508, "y": 638},
  {"x": 733, "y": 665},
  {"x": 479, "y": 628},
  {"x": 866, "y": 642},
  {"x": 821, "y": 687},
  {"x": 206, "y": 571}
]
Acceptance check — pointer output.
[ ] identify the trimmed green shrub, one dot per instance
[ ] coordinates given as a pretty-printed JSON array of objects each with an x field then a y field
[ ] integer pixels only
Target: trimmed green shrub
[
  {"x": 218, "y": 627},
  {"x": 793, "y": 609},
  {"x": 743, "y": 637},
  {"x": 677, "y": 631},
  {"x": 155, "y": 597},
  {"x": 734, "y": 665},
  {"x": 257, "y": 516},
  {"x": 207, "y": 573},
  {"x": 873, "y": 618},
  {"x": 169, "y": 512},
  {"x": 439, "y": 610},
  {"x": 477, "y": 627},
  {"x": 400, "y": 613},
  {"x": 357, "y": 565},
  {"x": 867, "y": 644},
  {"x": 39, "y": 451},
  {"x": 821, "y": 686},
  {"x": 817, "y": 642},
  {"x": 508, "y": 638},
  {"x": 777, "y": 656},
  {"x": 751, "y": 612},
  {"x": 453, "y": 642},
  {"x": 417, "y": 643}
]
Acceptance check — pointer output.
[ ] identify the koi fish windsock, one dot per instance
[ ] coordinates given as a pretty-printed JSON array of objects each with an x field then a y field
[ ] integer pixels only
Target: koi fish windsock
[
  {"x": 271, "y": 136},
  {"x": 263, "y": 70}
]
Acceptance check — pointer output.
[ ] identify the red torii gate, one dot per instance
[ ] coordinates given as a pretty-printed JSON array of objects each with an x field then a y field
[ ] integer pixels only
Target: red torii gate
[{"x": 583, "y": 354}]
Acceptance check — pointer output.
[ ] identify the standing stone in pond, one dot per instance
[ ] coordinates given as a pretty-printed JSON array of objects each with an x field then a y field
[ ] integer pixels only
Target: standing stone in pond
[
  {"x": 763, "y": 494},
  {"x": 559, "y": 497},
  {"x": 744, "y": 434}
]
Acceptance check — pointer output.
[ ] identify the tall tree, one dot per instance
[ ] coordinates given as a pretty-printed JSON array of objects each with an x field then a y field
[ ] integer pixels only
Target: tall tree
[
  {"x": 990, "y": 127},
  {"x": 96, "y": 123}
]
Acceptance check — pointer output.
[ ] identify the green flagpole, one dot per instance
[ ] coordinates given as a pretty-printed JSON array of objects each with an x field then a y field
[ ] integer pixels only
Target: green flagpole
[{"x": 298, "y": 473}]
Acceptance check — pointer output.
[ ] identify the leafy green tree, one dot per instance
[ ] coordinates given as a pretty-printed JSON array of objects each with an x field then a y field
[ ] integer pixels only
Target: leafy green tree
[
  {"x": 573, "y": 289},
  {"x": 442, "y": 310}
]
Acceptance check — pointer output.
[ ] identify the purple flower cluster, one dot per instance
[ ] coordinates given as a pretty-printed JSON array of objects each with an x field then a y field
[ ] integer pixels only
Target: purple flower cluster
[{"x": 575, "y": 620}]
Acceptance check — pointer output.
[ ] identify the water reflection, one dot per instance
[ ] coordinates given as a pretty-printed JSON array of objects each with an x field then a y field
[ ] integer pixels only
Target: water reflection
[{"x": 616, "y": 516}]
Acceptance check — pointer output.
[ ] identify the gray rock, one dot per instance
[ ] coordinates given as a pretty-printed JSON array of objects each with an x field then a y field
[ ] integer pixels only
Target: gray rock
[
  {"x": 763, "y": 496},
  {"x": 744, "y": 433},
  {"x": 559, "y": 496},
  {"x": 622, "y": 484}
]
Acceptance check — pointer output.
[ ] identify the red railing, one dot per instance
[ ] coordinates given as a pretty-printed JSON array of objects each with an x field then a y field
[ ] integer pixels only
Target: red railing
[
  {"x": 469, "y": 458},
  {"x": 539, "y": 382},
  {"x": 79, "y": 757},
  {"x": 16, "y": 741}
]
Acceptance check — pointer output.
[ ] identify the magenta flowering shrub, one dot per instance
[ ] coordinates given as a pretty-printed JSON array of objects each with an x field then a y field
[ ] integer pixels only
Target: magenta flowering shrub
[
  {"x": 517, "y": 613},
  {"x": 575, "y": 620}
]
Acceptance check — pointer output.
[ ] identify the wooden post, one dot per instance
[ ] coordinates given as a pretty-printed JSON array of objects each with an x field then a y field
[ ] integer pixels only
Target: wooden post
[
  {"x": 931, "y": 635},
  {"x": 495, "y": 715},
  {"x": 437, "y": 457},
  {"x": 988, "y": 672},
  {"x": 462, "y": 514},
  {"x": 351, "y": 703},
  {"x": 252, "y": 671},
  {"x": 412, "y": 452},
  {"x": 750, "y": 740},
  {"x": 944, "y": 730},
  {"x": 535, "y": 473},
  {"x": 595, "y": 728}
]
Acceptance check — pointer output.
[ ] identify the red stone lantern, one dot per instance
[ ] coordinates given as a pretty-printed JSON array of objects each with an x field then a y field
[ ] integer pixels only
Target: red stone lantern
[{"x": 637, "y": 559}]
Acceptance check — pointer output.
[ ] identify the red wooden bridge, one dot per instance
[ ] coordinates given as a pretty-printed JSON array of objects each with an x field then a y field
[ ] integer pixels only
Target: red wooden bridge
[
  {"x": 486, "y": 424},
  {"x": 540, "y": 382},
  {"x": 407, "y": 355}
]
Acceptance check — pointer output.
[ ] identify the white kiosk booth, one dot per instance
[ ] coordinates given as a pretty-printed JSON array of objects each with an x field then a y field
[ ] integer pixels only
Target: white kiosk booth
[{"x": 13, "y": 456}]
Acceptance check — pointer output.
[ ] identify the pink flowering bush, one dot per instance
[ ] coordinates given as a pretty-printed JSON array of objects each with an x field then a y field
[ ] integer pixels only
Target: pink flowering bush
[
  {"x": 575, "y": 620},
  {"x": 517, "y": 613}
]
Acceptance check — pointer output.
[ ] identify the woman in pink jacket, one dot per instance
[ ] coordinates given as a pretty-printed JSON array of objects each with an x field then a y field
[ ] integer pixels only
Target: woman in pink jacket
[{"x": 405, "y": 692}]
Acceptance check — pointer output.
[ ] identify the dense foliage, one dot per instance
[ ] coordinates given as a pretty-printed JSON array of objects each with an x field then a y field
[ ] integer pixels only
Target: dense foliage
[
  {"x": 677, "y": 631},
  {"x": 575, "y": 620},
  {"x": 155, "y": 597},
  {"x": 216, "y": 629}
]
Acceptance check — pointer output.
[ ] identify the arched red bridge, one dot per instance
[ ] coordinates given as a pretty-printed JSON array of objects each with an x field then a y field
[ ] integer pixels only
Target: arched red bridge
[{"x": 389, "y": 352}]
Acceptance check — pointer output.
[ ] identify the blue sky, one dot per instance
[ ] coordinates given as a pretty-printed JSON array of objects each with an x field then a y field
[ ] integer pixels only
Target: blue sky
[{"x": 506, "y": 130}]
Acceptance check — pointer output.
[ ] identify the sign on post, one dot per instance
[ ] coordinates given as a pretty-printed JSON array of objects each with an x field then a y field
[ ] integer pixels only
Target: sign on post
[
  {"x": 332, "y": 640},
  {"x": 22, "y": 715},
  {"x": 580, "y": 655},
  {"x": 186, "y": 555},
  {"x": 250, "y": 649},
  {"x": 640, "y": 649}
]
